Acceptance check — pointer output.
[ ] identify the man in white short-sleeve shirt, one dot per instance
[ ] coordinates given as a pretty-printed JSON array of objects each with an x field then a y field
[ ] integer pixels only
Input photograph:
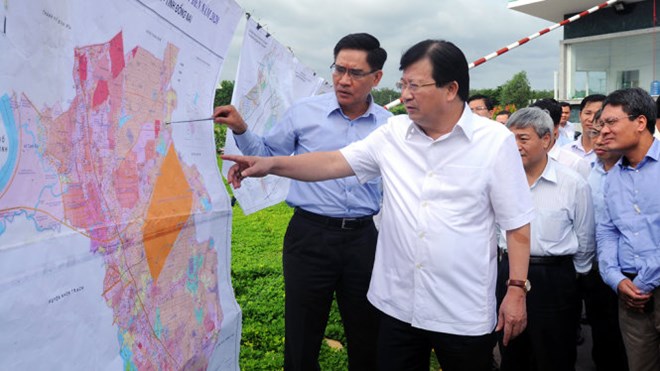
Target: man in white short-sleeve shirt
[{"x": 448, "y": 177}]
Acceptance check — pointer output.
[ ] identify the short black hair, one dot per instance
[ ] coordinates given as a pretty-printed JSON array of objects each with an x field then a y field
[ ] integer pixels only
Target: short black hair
[
  {"x": 552, "y": 106},
  {"x": 635, "y": 102},
  {"x": 504, "y": 112},
  {"x": 376, "y": 56},
  {"x": 448, "y": 61},
  {"x": 564, "y": 104},
  {"x": 487, "y": 101},
  {"x": 591, "y": 98},
  {"x": 657, "y": 106}
]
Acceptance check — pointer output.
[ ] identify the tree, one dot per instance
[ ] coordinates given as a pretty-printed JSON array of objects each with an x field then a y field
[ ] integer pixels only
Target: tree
[
  {"x": 223, "y": 93},
  {"x": 517, "y": 90},
  {"x": 385, "y": 95},
  {"x": 542, "y": 94},
  {"x": 222, "y": 98},
  {"x": 493, "y": 94}
]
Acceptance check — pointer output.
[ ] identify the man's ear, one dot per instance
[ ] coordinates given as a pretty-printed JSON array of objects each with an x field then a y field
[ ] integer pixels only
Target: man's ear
[
  {"x": 377, "y": 76},
  {"x": 452, "y": 90},
  {"x": 546, "y": 140}
]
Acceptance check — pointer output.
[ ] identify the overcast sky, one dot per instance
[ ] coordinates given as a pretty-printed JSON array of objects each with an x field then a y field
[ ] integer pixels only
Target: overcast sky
[{"x": 311, "y": 28}]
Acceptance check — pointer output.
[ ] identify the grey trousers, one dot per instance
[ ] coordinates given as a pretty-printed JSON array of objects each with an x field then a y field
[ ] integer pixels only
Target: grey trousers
[{"x": 641, "y": 335}]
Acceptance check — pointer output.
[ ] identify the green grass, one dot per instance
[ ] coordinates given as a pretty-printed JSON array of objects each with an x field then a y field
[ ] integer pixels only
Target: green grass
[{"x": 259, "y": 287}]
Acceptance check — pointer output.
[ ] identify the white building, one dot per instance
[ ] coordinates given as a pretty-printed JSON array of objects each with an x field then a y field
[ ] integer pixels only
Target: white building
[{"x": 613, "y": 48}]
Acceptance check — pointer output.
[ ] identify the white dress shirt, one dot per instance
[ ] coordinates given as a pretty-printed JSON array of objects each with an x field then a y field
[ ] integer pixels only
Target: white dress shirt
[
  {"x": 436, "y": 260},
  {"x": 577, "y": 148},
  {"x": 567, "y": 158},
  {"x": 567, "y": 131},
  {"x": 564, "y": 222}
]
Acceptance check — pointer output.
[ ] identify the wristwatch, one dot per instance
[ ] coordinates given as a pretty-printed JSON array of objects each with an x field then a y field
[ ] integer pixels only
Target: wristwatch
[{"x": 525, "y": 285}]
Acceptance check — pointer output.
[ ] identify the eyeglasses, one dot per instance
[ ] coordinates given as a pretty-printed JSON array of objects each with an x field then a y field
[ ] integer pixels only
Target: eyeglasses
[
  {"x": 480, "y": 108},
  {"x": 593, "y": 133},
  {"x": 354, "y": 74},
  {"x": 412, "y": 86},
  {"x": 611, "y": 121}
]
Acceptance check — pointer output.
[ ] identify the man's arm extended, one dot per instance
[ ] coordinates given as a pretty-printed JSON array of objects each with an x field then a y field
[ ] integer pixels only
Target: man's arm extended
[{"x": 309, "y": 167}]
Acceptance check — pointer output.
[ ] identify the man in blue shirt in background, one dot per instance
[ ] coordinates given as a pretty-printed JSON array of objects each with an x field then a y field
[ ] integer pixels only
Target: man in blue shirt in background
[
  {"x": 628, "y": 234},
  {"x": 330, "y": 243}
]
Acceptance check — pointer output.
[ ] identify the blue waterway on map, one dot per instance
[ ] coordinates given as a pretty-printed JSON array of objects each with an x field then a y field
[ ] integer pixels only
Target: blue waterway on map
[
  {"x": 12, "y": 136},
  {"x": 123, "y": 120},
  {"x": 161, "y": 148},
  {"x": 206, "y": 204}
]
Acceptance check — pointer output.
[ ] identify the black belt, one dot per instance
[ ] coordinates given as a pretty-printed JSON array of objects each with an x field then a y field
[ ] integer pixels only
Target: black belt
[
  {"x": 630, "y": 276},
  {"x": 342, "y": 223},
  {"x": 546, "y": 260}
]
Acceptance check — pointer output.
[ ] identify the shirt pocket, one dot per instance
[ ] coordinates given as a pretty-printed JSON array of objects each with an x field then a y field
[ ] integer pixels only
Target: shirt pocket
[{"x": 551, "y": 225}]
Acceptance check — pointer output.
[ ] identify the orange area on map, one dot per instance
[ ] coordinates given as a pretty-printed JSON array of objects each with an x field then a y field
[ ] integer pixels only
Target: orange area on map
[{"x": 169, "y": 210}]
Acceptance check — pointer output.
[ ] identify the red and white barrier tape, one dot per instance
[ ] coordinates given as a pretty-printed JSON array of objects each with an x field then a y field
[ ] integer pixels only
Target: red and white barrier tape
[{"x": 524, "y": 41}]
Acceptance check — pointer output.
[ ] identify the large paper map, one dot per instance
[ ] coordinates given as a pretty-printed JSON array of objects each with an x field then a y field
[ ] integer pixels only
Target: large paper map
[
  {"x": 114, "y": 227},
  {"x": 268, "y": 81}
]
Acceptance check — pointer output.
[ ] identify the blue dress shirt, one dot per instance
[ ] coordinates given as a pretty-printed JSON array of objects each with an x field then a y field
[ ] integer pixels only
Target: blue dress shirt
[
  {"x": 628, "y": 235},
  {"x": 318, "y": 124},
  {"x": 597, "y": 183}
]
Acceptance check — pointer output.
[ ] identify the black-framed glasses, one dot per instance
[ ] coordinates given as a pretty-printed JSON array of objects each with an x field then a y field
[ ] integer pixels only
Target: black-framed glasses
[
  {"x": 353, "y": 73},
  {"x": 411, "y": 85},
  {"x": 611, "y": 121}
]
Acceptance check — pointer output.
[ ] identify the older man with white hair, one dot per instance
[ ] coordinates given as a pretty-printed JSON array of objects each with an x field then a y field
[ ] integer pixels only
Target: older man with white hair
[{"x": 561, "y": 245}]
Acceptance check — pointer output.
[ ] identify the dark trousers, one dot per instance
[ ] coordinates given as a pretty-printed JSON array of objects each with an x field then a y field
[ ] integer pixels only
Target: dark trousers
[
  {"x": 548, "y": 342},
  {"x": 319, "y": 261},
  {"x": 402, "y": 347},
  {"x": 602, "y": 307}
]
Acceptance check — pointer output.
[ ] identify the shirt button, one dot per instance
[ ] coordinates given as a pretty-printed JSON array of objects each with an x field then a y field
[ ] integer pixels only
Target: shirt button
[
  {"x": 636, "y": 233},
  {"x": 430, "y": 174},
  {"x": 421, "y": 234},
  {"x": 419, "y": 266},
  {"x": 425, "y": 204}
]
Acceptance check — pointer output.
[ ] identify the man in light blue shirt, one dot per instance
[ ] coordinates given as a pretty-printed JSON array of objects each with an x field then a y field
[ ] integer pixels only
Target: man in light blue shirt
[
  {"x": 601, "y": 304},
  {"x": 330, "y": 243},
  {"x": 628, "y": 235}
]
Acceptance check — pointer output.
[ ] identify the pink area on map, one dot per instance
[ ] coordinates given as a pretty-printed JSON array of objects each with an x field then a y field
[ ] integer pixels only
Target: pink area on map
[
  {"x": 80, "y": 168},
  {"x": 100, "y": 93},
  {"x": 82, "y": 67},
  {"x": 117, "y": 54}
]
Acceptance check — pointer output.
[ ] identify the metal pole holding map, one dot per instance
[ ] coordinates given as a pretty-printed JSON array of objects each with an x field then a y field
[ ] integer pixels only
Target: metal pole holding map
[{"x": 525, "y": 40}]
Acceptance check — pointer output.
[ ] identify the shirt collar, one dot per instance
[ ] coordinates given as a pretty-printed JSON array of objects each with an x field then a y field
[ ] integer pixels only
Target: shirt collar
[
  {"x": 598, "y": 166},
  {"x": 652, "y": 154},
  {"x": 464, "y": 126},
  {"x": 549, "y": 174},
  {"x": 554, "y": 151},
  {"x": 334, "y": 106}
]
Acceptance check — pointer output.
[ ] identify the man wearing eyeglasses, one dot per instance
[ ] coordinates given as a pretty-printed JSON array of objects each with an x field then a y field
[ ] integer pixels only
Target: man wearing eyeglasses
[
  {"x": 330, "y": 243},
  {"x": 601, "y": 304},
  {"x": 449, "y": 175},
  {"x": 481, "y": 105},
  {"x": 628, "y": 234}
]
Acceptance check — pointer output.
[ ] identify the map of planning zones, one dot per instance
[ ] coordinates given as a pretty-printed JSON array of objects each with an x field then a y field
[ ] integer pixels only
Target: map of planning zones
[{"x": 114, "y": 226}]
